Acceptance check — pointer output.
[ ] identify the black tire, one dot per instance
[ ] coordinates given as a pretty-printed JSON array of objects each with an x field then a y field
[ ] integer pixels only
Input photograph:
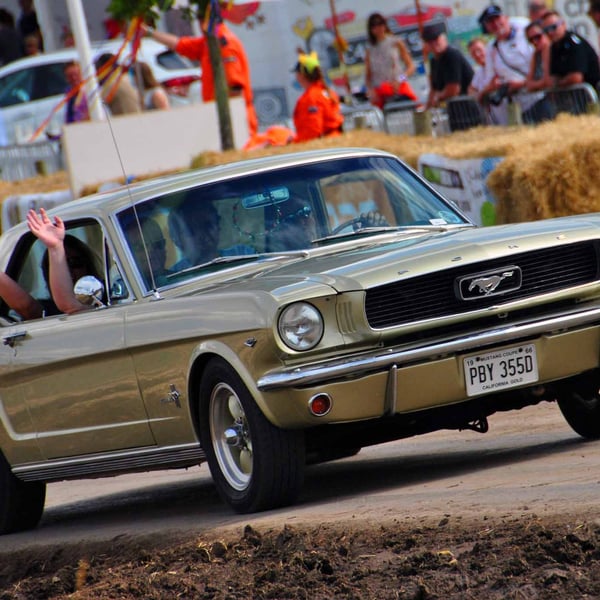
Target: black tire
[
  {"x": 261, "y": 466},
  {"x": 579, "y": 402},
  {"x": 21, "y": 503}
]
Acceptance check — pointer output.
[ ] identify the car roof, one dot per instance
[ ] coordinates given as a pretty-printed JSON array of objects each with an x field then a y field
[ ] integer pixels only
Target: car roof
[{"x": 148, "y": 47}]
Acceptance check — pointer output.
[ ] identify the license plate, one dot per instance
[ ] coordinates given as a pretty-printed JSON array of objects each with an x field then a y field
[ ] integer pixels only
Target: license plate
[{"x": 500, "y": 369}]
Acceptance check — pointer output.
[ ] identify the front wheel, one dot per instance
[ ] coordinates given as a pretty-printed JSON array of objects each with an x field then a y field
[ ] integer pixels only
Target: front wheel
[
  {"x": 579, "y": 402},
  {"x": 255, "y": 465},
  {"x": 21, "y": 502}
]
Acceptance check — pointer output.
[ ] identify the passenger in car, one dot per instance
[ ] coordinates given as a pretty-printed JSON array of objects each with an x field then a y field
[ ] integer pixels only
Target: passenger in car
[
  {"x": 17, "y": 299},
  {"x": 66, "y": 260},
  {"x": 149, "y": 248},
  {"x": 194, "y": 229}
]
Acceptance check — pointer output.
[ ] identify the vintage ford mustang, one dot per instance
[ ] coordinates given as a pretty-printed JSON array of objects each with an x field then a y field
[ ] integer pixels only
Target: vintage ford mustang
[{"x": 277, "y": 312}]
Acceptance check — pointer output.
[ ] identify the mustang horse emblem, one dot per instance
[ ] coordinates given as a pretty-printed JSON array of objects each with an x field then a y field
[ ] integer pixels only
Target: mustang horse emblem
[{"x": 486, "y": 285}]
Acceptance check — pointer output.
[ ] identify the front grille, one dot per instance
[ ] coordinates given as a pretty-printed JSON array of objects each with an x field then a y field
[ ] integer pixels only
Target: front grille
[{"x": 434, "y": 295}]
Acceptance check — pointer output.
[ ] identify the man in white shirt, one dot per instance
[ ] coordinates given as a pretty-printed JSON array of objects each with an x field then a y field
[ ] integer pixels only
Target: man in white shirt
[{"x": 508, "y": 57}]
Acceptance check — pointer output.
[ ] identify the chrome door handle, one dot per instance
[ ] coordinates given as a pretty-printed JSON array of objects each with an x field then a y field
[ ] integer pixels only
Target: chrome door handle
[{"x": 10, "y": 340}]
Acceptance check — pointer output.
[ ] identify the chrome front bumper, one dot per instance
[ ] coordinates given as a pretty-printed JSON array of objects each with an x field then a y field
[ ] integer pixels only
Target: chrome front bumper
[{"x": 354, "y": 366}]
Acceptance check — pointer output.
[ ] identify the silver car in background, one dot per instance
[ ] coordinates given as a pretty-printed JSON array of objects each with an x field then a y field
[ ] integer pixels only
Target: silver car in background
[{"x": 32, "y": 87}]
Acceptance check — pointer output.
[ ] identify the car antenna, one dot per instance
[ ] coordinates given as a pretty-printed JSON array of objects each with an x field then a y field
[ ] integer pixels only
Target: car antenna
[{"x": 133, "y": 207}]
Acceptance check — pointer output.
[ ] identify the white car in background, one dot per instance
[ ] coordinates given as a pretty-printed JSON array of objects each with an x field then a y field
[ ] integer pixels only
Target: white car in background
[{"x": 32, "y": 87}]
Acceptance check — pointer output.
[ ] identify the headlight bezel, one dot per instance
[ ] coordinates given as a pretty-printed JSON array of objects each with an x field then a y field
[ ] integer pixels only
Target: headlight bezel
[{"x": 298, "y": 315}]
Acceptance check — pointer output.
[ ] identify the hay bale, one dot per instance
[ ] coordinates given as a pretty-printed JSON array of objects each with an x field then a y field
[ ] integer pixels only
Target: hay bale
[{"x": 553, "y": 172}]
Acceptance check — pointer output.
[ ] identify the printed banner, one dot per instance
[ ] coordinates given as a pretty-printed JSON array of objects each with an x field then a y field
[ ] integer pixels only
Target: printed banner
[{"x": 463, "y": 182}]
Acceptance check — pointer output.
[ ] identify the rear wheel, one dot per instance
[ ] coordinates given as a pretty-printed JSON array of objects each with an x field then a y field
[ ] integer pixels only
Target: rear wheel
[
  {"x": 579, "y": 402},
  {"x": 21, "y": 503},
  {"x": 255, "y": 465}
]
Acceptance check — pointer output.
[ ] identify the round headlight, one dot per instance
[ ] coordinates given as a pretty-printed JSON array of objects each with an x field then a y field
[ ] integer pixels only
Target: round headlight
[{"x": 300, "y": 326}]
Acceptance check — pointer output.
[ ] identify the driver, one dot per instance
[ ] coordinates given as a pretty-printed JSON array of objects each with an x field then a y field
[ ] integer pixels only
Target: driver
[{"x": 294, "y": 225}]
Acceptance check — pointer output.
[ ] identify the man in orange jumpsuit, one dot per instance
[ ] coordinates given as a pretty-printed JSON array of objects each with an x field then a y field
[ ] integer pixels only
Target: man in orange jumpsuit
[{"x": 235, "y": 63}]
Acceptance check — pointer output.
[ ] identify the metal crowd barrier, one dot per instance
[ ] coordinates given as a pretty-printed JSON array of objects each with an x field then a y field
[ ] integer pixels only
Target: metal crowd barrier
[
  {"x": 398, "y": 117},
  {"x": 576, "y": 99},
  {"x": 28, "y": 160},
  {"x": 362, "y": 116},
  {"x": 464, "y": 112}
]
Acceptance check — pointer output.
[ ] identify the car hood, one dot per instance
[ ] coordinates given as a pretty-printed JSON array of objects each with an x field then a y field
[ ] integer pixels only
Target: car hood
[{"x": 359, "y": 264}]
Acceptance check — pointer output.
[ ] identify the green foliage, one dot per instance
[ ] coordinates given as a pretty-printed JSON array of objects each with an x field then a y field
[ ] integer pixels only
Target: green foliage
[{"x": 149, "y": 10}]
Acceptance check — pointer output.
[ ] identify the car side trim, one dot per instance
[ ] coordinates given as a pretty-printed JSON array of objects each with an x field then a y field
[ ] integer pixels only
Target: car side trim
[
  {"x": 112, "y": 463},
  {"x": 370, "y": 362}
]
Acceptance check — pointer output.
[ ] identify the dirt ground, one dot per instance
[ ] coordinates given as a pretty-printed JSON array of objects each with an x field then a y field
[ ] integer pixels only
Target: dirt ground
[{"x": 514, "y": 557}]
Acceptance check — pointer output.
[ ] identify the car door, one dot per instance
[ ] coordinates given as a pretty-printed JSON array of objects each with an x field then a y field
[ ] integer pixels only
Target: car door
[
  {"x": 15, "y": 420},
  {"x": 75, "y": 376}
]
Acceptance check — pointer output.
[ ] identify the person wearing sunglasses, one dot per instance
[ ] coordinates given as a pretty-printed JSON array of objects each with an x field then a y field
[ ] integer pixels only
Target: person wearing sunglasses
[
  {"x": 388, "y": 64},
  {"x": 538, "y": 78},
  {"x": 291, "y": 225},
  {"x": 572, "y": 59}
]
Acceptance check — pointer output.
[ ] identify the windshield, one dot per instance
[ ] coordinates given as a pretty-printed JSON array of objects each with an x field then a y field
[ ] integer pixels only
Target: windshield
[{"x": 279, "y": 210}]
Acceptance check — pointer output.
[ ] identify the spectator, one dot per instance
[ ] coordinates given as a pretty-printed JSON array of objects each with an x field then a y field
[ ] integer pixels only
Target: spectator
[
  {"x": 118, "y": 93},
  {"x": 450, "y": 73},
  {"x": 507, "y": 62},
  {"x": 31, "y": 45},
  {"x": 10, "y": 40},
  {"x": 67, "y": 38},
  {"x": 235, "y": 63},
  {"x": 77, "y": 107},
  {"x": 537, "y": 9},
  {"x": 476, "y": 48},
  {"x": 27, "y": 23},
  {"x": 388, "y": 64},
  {"x": 317, "y": 112},
  {"x": 572, "y": 59},
  {"x": 538, "y": 77},
  {"x": 154, "y": 95}
]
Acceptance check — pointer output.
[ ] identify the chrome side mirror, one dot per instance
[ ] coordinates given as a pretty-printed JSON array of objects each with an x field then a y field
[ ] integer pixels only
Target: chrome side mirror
[{"x": 88, "y": 290}]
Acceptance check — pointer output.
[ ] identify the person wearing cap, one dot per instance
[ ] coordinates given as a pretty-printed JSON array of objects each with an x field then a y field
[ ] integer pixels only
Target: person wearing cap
[
  {"x": 450, "y": 73},
  {"x": 235, "y": 63},
  {"x": 508, "y": 58},
  {"x": 572, "y": 58},
  {"x": 317, "y": 112}
]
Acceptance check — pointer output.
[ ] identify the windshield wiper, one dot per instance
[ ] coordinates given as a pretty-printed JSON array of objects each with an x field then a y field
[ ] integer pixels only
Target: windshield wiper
[{"x": 408, "y": 229}]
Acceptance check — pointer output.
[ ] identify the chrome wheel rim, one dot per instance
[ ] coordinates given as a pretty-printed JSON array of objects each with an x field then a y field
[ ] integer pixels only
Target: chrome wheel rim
[{"x": 230, "y": 436}]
